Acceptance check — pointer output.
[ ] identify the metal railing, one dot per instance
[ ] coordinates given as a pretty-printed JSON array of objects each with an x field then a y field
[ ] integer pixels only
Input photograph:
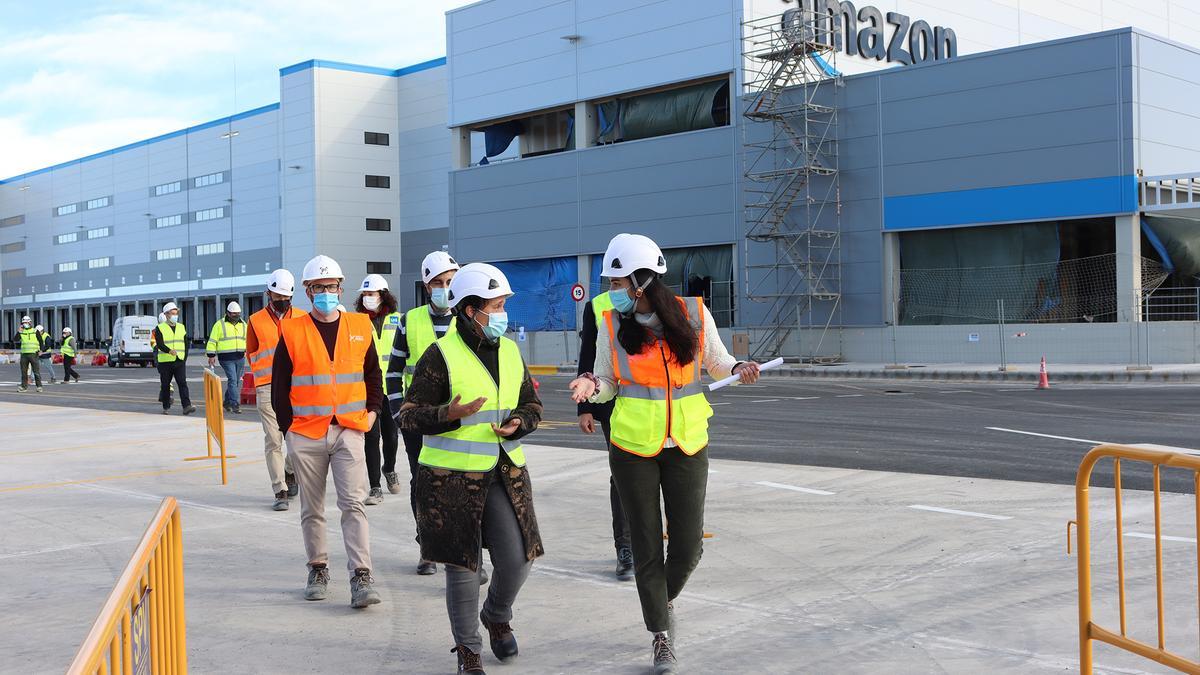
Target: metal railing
[
  {"x": 1174, "y": 191},
  {"x": 1171, "y": 304},
  {"x": 141, "y": 628},
  {"x": 1089, "y": 631}
]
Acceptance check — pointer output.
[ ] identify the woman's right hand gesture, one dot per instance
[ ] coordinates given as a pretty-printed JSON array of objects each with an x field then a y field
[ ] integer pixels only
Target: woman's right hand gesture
[
  {"x": 458, "y": 410},
  {"x": 582, "y": 388}
]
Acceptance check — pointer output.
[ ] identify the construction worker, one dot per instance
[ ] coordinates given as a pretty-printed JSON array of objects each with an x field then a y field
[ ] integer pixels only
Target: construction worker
[
  {"x": 419, "y": 328},
  {"x": 170, "y": 346},
  {"x": 227, "y": 346},
  {"x": 68, "y": 354},
  {"x": 649, "y": 357},
  {"x": 378, "y": 303},
  {"x": 472, "y": 398},
  {"x": 262, "y": 337},
  {"x": 327, "y": 390},
  {"x": 46, "y": 351},
  {"x": 591, "y": 413},
  {"x": 27, "y": 338}
]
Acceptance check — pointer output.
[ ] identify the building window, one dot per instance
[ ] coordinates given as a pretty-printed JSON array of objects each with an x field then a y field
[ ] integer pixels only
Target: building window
[
  {"x": 68, "y": 266},
  {"x": 66, "y": 210},
  {"x": 379, "y": 181},
  {"x": 167, "y": 254},
  {"x": 13, "y": 247},
  {"x": 98, "y": 262},
  {"x": 168, "y": 188},
  {"x": 374, "y": 138},
  {"x": 210, "y": 249},
  {"x": 13, "y": 220},
  {"x": 210, "y": 179},
  {"x": 99, "y": 232},
  {"x": 66, "y": 238},
  {"x": 14, "y": 274},
  {"x": 98, "y": 203},
  {"x": 379, "y": 267},
  {"x": 168, "y": 221},
  {"x": 379, "y": 224},
  {"x": 210, "y": 214}
]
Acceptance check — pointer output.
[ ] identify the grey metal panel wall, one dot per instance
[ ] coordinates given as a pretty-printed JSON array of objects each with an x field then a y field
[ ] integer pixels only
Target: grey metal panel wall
[
  {"x": 1167, "y": 106},
  {"x": 414, "y": 246}
]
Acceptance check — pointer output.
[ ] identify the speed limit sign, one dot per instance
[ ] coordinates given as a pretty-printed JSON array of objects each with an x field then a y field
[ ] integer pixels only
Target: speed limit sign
[{"x": 577, "y": 292}]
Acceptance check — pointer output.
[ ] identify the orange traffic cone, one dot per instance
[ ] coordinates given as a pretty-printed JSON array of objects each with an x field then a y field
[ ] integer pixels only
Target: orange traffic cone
[{"x": 1043, "y": 380}]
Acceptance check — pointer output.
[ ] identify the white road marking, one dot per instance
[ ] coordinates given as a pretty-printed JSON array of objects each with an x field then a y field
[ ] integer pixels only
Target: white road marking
[
  {"x": 849, "y": 396},
  {"x": 1033, "y": 433},
  {"x": 1143, "y": 535},
  {"x": 765, "y": 400},
  {"x": 956, "y": 391},
  {"x": 956, "y": 512},
  {"x": 794, "y": 488},
  {"x": 725, "y": 403},
  {"x": 802, "y": 398}
]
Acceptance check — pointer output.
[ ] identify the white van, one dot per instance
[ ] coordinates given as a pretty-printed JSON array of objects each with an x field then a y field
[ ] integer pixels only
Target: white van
[{"x": 133, "y": 341}]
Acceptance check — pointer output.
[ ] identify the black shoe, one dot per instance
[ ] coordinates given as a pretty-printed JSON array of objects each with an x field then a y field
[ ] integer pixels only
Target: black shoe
[
  {"x": 226, "y": 407},
  {"x": 468, "y": 661},
  {"x": 362, "y": 589},
  {"x": 500, "y": 635},
  {"x": 483, "y": 576},
  {"x": 166, "y": 411},
  {"x": 624, "y": 564},
  {"x": 664, "y": 655},
  {"x": 318, "y": 583},
  {"x": 237, "y": 410},
  {"x": 188, "y": 410},
  {"x": 426, "y": 568},
  {"x": 293, "y": 488}
]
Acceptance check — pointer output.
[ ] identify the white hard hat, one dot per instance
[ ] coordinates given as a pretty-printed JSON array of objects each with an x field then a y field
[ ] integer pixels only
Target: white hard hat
[
  {"x": 436, "y": 263},
  {"x": 374, "y": 282},
  {"x": 480, "y": 279},
  {"x": 282, "y": 282},
  {"x": 38, "y": 327},
  {"x": 322, "y": 267},
  {"x": 168, "y": 307},
  {"x": 26, "y": 319},
  {"x": 233, "y": 307},
  {"x": 628, "y": 253},
  {"x": 67, "y": 330}
]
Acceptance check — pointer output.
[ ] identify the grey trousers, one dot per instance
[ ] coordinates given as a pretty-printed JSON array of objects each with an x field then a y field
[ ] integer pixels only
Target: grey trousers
[
  {"x": 506, "y": 547},
  {"x": 279, "y": 463},
  {"x": 341, "y": 450}
]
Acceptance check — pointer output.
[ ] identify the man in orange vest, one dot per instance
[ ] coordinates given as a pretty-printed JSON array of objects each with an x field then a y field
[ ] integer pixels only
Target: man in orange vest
[
  {"x": 262, "y": 337},
  {"x": 326, "y": 391}
]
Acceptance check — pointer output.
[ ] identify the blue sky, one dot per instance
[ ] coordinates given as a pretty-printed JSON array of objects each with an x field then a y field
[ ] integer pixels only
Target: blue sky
[{"x": 82, "y": 77}]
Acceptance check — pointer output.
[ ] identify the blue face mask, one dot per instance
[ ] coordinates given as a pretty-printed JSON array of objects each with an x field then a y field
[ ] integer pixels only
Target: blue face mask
[
  {"x": 325, "y": 303},
  {"x": 496, "y": 326},
  {"x": 438, "y": 297},
  {"x": 622, "y": 301}
]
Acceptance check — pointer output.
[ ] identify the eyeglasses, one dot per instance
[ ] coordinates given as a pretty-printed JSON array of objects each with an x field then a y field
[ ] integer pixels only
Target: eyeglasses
[{"x": 325, "y": 288}]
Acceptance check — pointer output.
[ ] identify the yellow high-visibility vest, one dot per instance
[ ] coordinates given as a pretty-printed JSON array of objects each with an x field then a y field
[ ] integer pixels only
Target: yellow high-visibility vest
[
  {"x": 30, "y": 344},
  {"x": 68, "y": 346},
  {"x": 174, "y": 337},
  {"x": 420, "y": 334},
  {"x": 384, "y": 337},
  {"x": 474, "y": 446},
  {"x": 601, "y": 304},
  {"x": 227, "y": 338}
]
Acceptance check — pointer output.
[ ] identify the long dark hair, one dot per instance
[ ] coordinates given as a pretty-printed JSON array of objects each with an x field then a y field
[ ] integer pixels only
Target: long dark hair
[
  {"x": 679, "y": 335},
  {"x": 387, "y": 303}
]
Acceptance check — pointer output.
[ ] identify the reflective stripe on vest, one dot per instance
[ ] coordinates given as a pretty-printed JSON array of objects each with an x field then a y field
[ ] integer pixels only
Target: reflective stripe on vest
[
  {"x": 30, "y": 344},
  {"x": 474, "y": 446},
  {"x": 174, "y": 337},
  {"x": 656, "y": 398},
  {"x": 384, "y": 340},
  {"x": 323, "y": 390},
  {"x": 68, "y": 346},
  {"x": 266, "y": 334},
  {"x": 227, "y": 338},
  {"x": 420, "y": 334}
]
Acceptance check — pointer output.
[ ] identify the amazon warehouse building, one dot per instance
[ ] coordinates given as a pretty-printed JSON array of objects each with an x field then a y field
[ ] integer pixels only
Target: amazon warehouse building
[{"x": 842, "y": 181}]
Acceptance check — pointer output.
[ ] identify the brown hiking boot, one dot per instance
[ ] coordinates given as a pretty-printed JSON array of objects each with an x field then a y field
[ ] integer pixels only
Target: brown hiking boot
[
  {"x": 468, "y": 661},
  {"x": 500, "y": 635}
]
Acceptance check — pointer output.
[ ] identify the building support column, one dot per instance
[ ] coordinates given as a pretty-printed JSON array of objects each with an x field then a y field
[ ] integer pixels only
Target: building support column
[
  {"x": 585, "y": 125},
  {"x": 460, "y": 147},
  {"x": 891, "y": 278},
  {"x": 1129, "y": 267}
]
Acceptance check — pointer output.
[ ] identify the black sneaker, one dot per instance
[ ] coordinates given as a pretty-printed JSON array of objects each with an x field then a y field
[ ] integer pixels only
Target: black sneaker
[
  {"x": 362, "y": 592},
  {"x": 664, "y": 655},
  {"x": 624, "y": 569},
  {"x": 188, "y": 410},
  {"x": 500, "y": 635},
  {"x": 226, "y": 407},
  {"x": 318, "y": 583},
  {"x": 293, "y": 488},
  {"x": 393, "y": 481},
  {"x": 468, "y": 661},
  {"x": 426, "y": 568},
  {"x": 281, "y": 501},
  {"x": 237, "y": 409}
]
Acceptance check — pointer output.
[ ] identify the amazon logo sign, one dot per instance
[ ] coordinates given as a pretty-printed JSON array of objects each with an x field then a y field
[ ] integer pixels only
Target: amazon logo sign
[{"x": 869, "y": 33}]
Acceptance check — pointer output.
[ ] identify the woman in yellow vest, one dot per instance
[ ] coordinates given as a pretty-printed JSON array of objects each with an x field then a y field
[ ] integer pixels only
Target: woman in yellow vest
[
  {"x": 648, "y": 356},
  {"x": 377, "y": 302},
  {"x": 68, "y": 354},
  {"x": 170, "y": 348},
  {"x": 472, "y": 398}
]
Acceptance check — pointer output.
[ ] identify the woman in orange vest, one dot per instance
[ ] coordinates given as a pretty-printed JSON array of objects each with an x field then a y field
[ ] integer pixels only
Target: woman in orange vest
[{"x": 649, "y": 359}]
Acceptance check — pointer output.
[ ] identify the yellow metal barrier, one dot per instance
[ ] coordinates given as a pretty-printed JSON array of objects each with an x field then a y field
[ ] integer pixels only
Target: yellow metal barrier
[
  {"x": 141, "y": 628},
  {"x": 1088, "y": 630},
  {"x": 214, "y": 417}
]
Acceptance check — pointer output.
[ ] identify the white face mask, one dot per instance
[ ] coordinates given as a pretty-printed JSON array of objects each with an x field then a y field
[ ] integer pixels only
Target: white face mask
[{"x": 371, "y": 302}]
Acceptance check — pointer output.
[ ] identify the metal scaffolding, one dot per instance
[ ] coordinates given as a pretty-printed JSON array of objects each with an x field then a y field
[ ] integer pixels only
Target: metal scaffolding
[{"x": 792, "y": 194}]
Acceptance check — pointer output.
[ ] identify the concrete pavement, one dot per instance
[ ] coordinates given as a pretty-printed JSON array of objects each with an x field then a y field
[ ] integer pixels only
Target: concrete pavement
[{"x": 810, "y": 570}]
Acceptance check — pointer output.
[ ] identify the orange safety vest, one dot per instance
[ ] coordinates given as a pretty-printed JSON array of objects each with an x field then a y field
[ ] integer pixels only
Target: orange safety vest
[
  {"x": 323, "y": 390},
  {"x": 266, "y": 331},
  {"x": 656, "y": 397}
]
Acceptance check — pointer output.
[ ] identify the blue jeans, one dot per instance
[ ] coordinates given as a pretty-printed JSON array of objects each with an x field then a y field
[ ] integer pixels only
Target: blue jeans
[{"x": 233, "y": 385}]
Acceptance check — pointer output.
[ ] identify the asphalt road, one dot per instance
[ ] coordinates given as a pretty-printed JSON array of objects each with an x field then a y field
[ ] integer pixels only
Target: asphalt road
[{"x": 927, "y": 428}]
